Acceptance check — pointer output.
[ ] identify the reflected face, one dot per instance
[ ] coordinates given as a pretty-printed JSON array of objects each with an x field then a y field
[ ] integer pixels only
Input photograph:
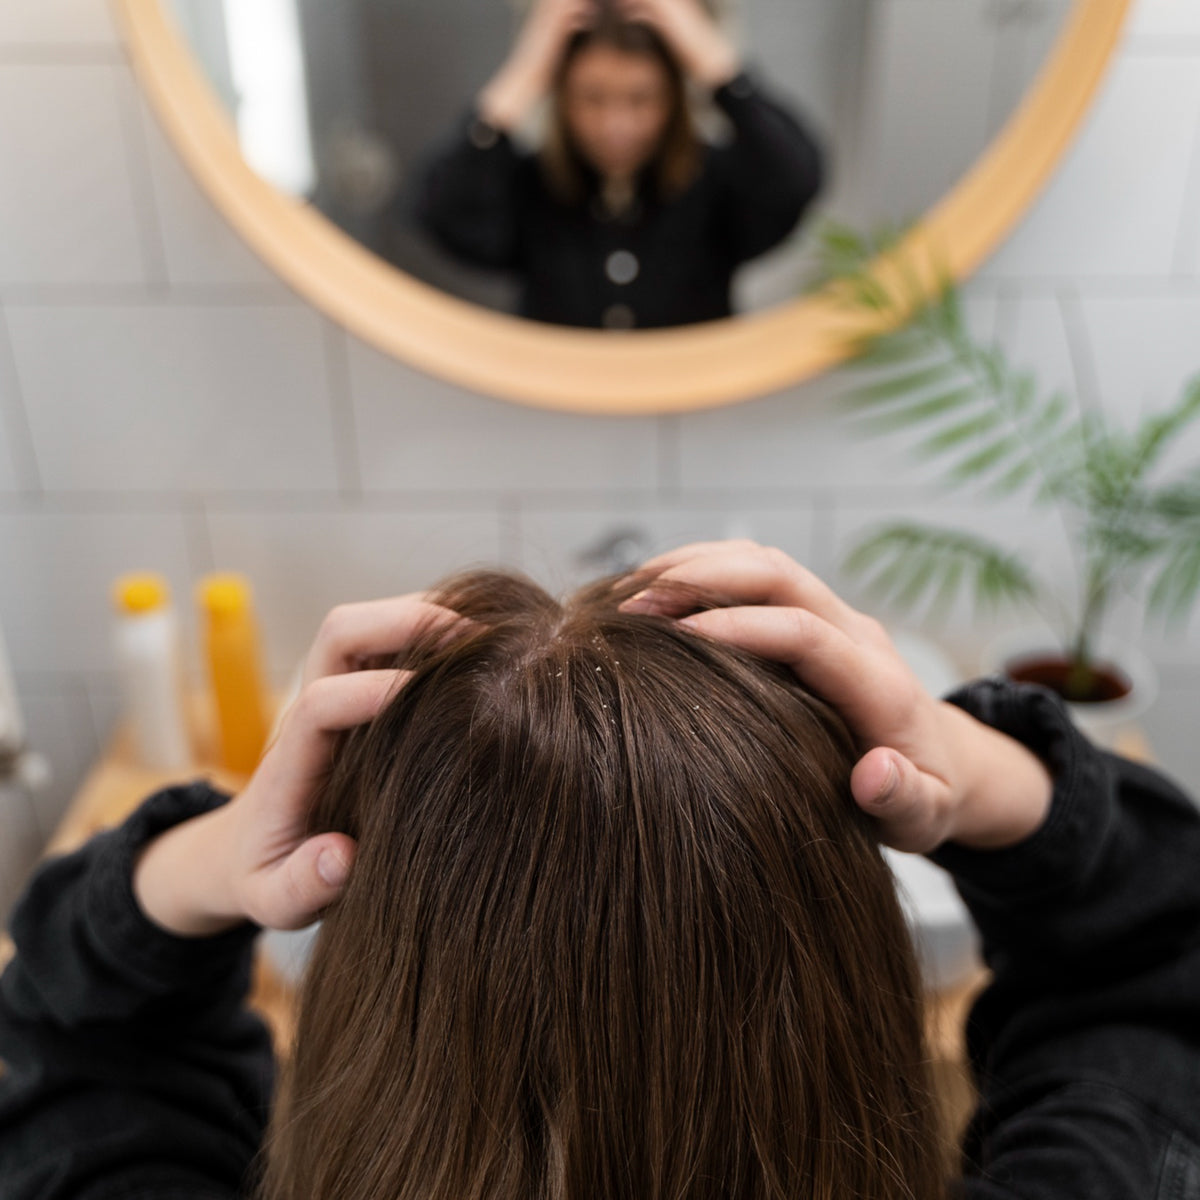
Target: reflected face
[{"x": 616, "y": 106}]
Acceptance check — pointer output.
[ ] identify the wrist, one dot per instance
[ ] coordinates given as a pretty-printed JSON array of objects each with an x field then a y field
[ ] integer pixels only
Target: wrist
[
  {"x": 1002, "y": 789},
  {"x": 181, "y": 878},
  {"x": 507, "y": 99},
  {"x": 717, "y": 70}
]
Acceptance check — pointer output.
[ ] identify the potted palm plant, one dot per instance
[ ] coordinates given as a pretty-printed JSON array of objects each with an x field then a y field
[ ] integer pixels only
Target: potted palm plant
[{"x": 989, "y": 426}]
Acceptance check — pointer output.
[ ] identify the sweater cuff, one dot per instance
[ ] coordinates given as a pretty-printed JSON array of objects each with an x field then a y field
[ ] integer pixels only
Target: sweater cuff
[
  {"x": 114, "y": 919},
  {"x": 1063, "y": 851},
  {"x": 733, "y": 95},
  {"x": 483, "y": 135}
]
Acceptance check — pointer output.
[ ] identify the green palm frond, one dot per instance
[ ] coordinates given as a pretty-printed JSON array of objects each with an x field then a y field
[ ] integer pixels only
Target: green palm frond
[
  {"x": 1158, "y": 429},
  {"x": 910, "y": 566},
  {"x": 980, "y": 422},
  {"x": 1173, "y": 594},
  {"x": 968, "y": 409}
]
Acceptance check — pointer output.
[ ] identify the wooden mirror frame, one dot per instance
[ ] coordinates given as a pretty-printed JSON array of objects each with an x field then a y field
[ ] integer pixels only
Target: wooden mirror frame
[{"x": 591, "y": 371}]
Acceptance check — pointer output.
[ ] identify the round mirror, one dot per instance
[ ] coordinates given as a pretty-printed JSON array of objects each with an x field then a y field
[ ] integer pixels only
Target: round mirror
[{"x": 527, "y": 198}]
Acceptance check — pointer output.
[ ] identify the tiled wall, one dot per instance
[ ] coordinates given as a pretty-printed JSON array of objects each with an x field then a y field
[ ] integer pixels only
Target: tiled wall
[{"x": 165, "y": 403}]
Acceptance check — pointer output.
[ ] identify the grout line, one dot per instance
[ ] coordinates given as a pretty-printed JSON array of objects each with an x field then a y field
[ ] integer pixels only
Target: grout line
[
  {"x": 1187, "y": 241},
  {"x": 343, "y": 418},
  {"x": 180, "y": 295},
  {"x": 60, "y": 54},
  {"x": 15, "y": 417},
  {"x": 424, "y": 502},
  {"x": 92, "y": 687},
  {"x": 1081, "y": 350},
  {"x": 1116, "y": 285},
  {"x": 824, "y": 509},
  {"x": 1164, "y": 45},
  {"x": 1008, "y": 309},
  {"x": 200, "y": 551},
  {"x": 141, "y": 178}
]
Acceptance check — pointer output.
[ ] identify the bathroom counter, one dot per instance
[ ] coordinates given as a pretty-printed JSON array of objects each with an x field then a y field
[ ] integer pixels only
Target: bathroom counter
[{"x": 116, "y": 785}]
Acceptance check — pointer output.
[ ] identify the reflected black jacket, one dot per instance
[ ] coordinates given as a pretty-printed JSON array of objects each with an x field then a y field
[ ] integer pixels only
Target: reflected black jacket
[
  {"x": 135, "y": 1071},
  {"x": 665, "y": 262}
]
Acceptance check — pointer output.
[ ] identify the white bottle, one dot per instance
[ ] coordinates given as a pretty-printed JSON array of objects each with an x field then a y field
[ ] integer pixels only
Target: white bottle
[{"x": 148, "y": 656}]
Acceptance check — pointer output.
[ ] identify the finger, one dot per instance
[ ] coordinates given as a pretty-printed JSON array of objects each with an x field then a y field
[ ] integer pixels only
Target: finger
[
  {"x": 762, "y": 575},
  {"x": 908, "y": 803},
  {"x": 823, "y": 657},
  {"x": 681, "y": 554},
  {"x": 352, "y": 633},
  {"x": 293, "y": 894},
  {"x": 325, "y": 709}
]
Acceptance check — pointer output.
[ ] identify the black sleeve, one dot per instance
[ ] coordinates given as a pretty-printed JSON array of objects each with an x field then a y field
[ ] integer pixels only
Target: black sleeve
[
  {"x": 1086, "y": 1045},
  {"x": 132, "y": 1067},
  {"x": 471, "y": 193},
  {"x": 772, "y": 171}
]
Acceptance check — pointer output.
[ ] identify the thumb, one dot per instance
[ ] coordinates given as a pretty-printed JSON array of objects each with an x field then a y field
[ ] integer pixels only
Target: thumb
[
  {"x": 908, "y": 803},
  {"x": 309, "y": 879}
]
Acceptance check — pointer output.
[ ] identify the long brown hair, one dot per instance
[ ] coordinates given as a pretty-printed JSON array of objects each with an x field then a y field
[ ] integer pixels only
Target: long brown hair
[
  {"x": 677, "y": 161},
  {"x": 616, "y": 931}
]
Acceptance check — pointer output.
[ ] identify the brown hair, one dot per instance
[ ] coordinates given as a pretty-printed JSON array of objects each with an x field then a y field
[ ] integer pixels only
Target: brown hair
[
  {"x": 678, "y": 159},
  {"x": 616, "y": 930}
]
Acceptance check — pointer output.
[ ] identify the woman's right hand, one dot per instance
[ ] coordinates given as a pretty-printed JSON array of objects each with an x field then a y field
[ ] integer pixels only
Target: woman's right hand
[
  {"x": 929, "y": 772},
  {"x": 529, "y": 70}
]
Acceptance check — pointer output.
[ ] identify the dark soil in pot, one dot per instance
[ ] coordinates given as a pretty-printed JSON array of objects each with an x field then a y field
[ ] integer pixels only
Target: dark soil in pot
[{"x": 1093, "y": 684}]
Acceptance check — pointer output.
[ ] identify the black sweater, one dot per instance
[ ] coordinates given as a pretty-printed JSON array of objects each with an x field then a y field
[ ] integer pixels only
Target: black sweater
[
  {"x": 134, "y": 1070},
  {"x": 666, "y": 262}
]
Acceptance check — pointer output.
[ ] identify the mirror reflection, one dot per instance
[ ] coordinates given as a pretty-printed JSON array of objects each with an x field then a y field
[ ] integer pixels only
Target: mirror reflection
[{"x": 619, "y": 164}]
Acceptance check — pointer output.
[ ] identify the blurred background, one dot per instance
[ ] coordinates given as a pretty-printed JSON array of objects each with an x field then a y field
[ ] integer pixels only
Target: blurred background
[{"x": 166, "y": 403}]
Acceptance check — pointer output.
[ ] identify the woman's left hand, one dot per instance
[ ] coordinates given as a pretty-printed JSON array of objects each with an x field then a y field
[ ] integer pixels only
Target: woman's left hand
[
  {"x": 705, "y": 53},
  {"x": 250, "y": 859}
]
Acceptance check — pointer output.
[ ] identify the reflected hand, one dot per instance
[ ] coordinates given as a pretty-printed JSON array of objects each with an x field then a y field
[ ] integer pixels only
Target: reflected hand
[
  {"x": 929, "y": 772},
  {"x": 705, "y": 53},
  {"x": 529, "y": 71},
  {"x": 250, "y": 858}
]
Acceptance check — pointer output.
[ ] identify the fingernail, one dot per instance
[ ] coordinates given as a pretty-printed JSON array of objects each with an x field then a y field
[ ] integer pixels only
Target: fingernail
[
  {"x": 332, "y": 868},
  {"x": 890, "y": 783},
  {"x": 636, "y": 603}
]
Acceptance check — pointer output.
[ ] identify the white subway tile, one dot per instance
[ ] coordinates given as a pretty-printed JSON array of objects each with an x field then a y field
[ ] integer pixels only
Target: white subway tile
[
  {"x": 806, "y": 437},
  {"x": 200, "y": 245},
  {"x": 560, "y": 545},
  {"x": 11, "y": 414},
  {"x": 1146, "y": 350},
  {"x": 59, "y": 726},
  {"x": 56, "y": 23},
  {"x": 55, "y": 588},
  {"x": 67, "y": 210},
  {"x": 1034, "y": 339},
  {"x": 301, "y": 564},
  {"x": 1116, "y": 200},
  {"x": 1170, "y": 728},
  {"x": 1164, "y": 18},
  {"x": 415, "y": 431},
  {"x": 134, "y": 397}
]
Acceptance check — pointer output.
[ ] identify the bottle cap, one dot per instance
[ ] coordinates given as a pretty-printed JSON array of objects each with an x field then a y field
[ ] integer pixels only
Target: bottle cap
[
  {"x": 144, "y": 592},
  {"x": 224, "y": 595}
]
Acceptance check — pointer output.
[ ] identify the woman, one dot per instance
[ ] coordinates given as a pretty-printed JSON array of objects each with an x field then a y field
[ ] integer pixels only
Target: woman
[
  {"x": 625, "y": 218},
  {"x": 603, "y": 916}
]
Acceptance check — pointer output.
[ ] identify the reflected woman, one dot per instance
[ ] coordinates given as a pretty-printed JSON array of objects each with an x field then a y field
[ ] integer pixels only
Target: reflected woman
[{"x": 625, "y": 217}]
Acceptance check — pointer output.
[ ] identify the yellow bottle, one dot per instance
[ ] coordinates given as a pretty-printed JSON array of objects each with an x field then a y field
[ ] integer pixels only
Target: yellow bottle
[{"x": 234, "y": 669}]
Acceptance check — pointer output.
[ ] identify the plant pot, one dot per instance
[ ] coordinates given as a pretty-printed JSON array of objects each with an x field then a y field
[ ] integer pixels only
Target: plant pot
[{"x": 1034, "y": 657}]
